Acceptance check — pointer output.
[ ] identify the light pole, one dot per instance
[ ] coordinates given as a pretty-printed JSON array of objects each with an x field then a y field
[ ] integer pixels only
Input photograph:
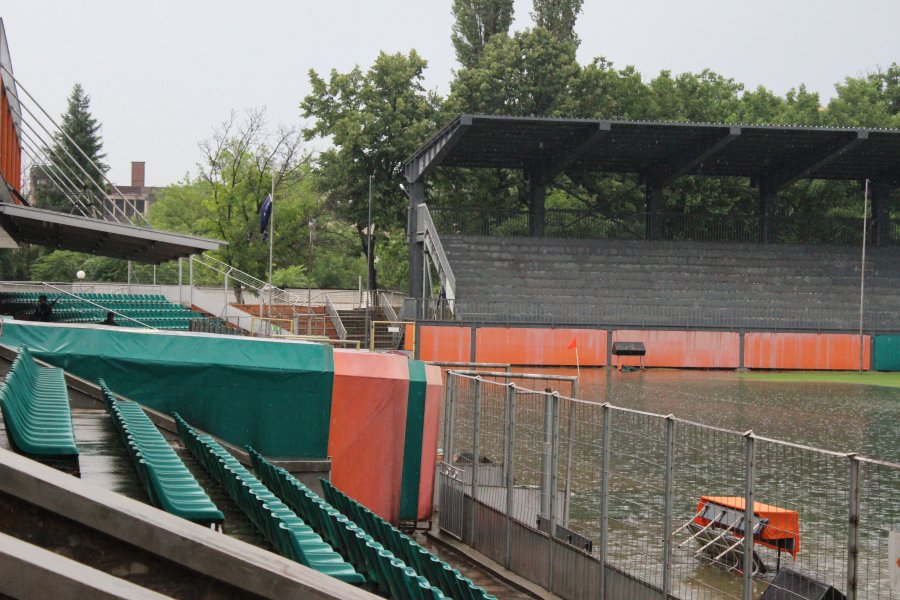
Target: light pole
[
  {"x": 312, "y": 236},
  {"x": 369, "y": 264},
  {"x": 862, "y": 273}
]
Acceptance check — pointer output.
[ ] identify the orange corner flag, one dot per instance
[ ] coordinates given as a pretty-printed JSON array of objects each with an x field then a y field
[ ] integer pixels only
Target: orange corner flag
[{"x": 572, "y": 344}]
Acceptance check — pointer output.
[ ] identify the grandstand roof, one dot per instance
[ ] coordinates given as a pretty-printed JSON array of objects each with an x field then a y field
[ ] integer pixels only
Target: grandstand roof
[
  {"x": 67, "y": 232},
  {"x": 548, "y": 146}
]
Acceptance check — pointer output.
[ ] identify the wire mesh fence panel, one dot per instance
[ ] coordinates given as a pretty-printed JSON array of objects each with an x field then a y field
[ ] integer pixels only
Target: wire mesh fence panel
[
  {"x": 807, "y": 495},
  {"x": 637, "y": 465},
  {"x": 708, "y": 462},
  {"x": 878, "y": 564},
  {"x": 490, "y": 490}
]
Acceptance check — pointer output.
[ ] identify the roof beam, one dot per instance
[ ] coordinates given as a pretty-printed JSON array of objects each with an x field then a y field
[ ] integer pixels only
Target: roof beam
[
  {"x": 802, "y": 169},
  {"x": 550, "y": 171},
  {"x": 429, "y": 157},
  {"x": 662, "y": 174}
]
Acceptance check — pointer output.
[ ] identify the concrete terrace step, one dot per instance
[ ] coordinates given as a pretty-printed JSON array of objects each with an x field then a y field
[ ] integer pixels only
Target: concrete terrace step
[{"x": 666, "y": 283}]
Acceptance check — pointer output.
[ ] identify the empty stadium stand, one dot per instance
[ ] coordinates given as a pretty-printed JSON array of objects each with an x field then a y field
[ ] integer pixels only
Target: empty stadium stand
[
  {"x": 288, "y": 533},
  {"x": 672, "y": 284},
  {"x": 389, "y": 574},
  {"x": 168, "y": 482},
  {"x": 145, "y": 309},
  {"x": 35, "y": 406},
  {"x": 439, "y": 573}
]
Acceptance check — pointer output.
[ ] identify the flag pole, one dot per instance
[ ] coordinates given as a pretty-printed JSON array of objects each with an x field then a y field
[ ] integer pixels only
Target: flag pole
[
  {"x": 577, "y": 365},
  {"x": 271, "y": 243}
]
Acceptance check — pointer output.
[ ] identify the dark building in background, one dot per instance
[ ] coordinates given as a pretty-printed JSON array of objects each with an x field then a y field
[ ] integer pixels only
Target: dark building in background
[{"x": 140, "y": 195}]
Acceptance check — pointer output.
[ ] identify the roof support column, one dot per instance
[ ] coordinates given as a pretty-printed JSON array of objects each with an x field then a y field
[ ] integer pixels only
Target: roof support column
[
  {"x": 416, "y": 247},
  {"x": 881, "y": 213},
  {"x": 653, "y": 194},
  {"x": 537, "y": 191},
  {"x": 768, "y": 194}
]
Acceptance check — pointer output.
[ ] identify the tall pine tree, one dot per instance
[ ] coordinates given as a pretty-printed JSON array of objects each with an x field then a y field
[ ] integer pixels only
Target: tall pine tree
[
  {"x": 476, "y": 22},
  {"x": 70, "y": 168}
]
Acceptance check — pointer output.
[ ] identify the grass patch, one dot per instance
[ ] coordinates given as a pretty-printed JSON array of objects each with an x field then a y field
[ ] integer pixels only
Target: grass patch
[{"x": 850, "y": 377}]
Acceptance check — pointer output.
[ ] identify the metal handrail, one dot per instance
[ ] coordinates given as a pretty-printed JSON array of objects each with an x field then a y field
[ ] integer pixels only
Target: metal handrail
[
  {"x": 427, "y": 233},
  {"x": 335, "y": 319},
  {"x": 387, "y": 307},
  {"x": 247, "y": 280}
]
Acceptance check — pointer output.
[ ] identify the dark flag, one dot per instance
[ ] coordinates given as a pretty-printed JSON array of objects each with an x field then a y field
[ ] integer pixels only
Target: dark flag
[{"x": 265, "y": 213}]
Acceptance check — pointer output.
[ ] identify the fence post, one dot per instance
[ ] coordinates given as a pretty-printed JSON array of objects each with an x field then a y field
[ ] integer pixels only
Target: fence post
[
  {"x": 604, "y": 497},
  {"x": 510, "y": 471},
  {"x": 449, "y": 404},
  {"x": 853, "y": 529},
  {"x": 667, "y": 506},
  {"x": 191, "y": 281},
  {"x": 570, "y": 443},
  {"x": 554, "y": 480},
  {"x": 749, "y": 462},
  {"x": 476, "y": 455},
  {"x": 545, "y": 456}
]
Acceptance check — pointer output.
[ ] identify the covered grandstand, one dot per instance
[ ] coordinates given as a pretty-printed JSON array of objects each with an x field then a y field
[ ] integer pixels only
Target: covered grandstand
[{"x": 606, "y": 270}]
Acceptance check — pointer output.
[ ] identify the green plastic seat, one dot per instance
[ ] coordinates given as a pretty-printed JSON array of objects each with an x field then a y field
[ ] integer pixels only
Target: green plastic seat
[
  {"x": 291, "y": 536},
  {"x": 169, "y": 484},
  {"x": 35, "y": 405}
]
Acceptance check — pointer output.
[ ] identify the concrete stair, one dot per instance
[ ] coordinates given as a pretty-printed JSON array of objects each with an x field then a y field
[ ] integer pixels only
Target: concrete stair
[{"x": 672, "y": 284}]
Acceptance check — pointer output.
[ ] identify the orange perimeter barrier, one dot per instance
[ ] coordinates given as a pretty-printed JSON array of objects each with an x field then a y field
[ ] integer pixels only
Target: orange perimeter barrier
[
  {"x": 697, "y": 349},
  {"x": 368, "y": 428},
  {"x": 536, "y": 346},
  {"x": 807, "y": 351},
  {"x": 433, "y": 396},
  {"x": 444, "y": 344}
]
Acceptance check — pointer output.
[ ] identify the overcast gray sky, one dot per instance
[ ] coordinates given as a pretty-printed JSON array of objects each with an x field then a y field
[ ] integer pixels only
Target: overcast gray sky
[{"x": 163, "y": 73}]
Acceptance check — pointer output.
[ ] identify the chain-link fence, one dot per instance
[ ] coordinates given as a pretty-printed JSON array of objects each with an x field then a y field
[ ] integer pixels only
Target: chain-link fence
[{"x": 666, "y": 505}]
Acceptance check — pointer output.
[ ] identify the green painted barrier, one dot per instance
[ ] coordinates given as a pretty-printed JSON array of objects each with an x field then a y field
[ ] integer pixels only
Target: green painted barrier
[
  {"x": 412, "y": 447},
  {"x": 887, "y": 353},
  {"x": 272, "y": 395}
]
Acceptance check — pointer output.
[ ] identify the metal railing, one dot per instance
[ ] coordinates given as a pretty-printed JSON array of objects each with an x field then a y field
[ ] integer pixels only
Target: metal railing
[
  {"x": 335, "y": 319},
  {"x": 428, "y": 235},
  {"x": 592, "y": 500},
  {"x": 706, "y": 227}
]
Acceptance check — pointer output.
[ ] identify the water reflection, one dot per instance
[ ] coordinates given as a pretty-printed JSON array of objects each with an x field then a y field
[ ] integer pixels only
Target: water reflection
[{"x": 839, "y": 417}]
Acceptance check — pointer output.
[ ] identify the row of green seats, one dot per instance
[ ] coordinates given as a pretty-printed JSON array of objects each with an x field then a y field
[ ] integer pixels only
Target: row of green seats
[
  {"x": 286, "y": 531},
  {"x": 168, "y": 482},
  {"x": 387, "y": 574},
  {"x": 35, "y": 405},
  {"x": 439, "y": 573}
]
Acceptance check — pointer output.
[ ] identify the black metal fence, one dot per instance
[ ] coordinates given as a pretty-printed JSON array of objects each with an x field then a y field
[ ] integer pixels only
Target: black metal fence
[{"x": 705, "y": 227}]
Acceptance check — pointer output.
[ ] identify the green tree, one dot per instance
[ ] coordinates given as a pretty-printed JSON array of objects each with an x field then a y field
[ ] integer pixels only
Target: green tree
[
  {"x": 529, "y": 73},
  {"x": 375, "y": 120},
  {"x": 475, "y": 22},
  {"x": 69, "y": 165},
  {"x": 869, "y": 101},
  {"x": 558, "y": 17}
]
